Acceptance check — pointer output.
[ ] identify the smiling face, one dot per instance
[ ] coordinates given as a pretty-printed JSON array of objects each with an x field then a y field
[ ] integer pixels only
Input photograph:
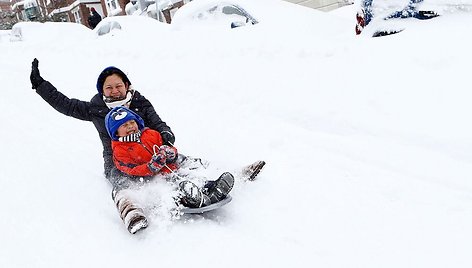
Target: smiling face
[
  {"x": 114, "y": 87},
  {"x": 129, "y": 127}
]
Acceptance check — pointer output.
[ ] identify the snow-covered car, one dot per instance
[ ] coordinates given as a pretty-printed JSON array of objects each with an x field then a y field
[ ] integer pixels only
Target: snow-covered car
[
  {"x": 229, "y": 14},
  {"x": 37, "y": 31},
  {"x": 213, "y": 13},
  {"x": 129, "y": 25}
]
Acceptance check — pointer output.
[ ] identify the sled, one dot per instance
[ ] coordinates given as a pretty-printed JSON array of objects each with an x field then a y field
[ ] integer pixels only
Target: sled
[{"x": 211, "y": 207}]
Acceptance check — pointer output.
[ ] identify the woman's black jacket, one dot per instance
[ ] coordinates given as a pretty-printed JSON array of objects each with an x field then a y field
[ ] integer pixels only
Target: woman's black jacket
[{"x": 95, "y": 111}]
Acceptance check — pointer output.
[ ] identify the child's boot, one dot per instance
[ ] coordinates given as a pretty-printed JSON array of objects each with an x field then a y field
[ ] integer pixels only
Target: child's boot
[
  {"x": 250, "y": 172},
  {"x": 132, "y": 215},
  {"x": 192, "y": 195},
  {"x": 219, "y": 189}
]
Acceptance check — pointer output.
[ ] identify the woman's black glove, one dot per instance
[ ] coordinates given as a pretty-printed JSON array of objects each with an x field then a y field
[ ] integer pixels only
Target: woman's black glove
[
  {"x": 167, "y": 138},
  {"x": 35, "y": 77}
]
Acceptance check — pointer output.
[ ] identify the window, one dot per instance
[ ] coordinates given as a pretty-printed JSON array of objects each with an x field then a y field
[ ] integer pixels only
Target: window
[
  {"x": 77, "y": 17},
  {"x": 112, "y": 4},
  {"x": 31, "y": 13}
]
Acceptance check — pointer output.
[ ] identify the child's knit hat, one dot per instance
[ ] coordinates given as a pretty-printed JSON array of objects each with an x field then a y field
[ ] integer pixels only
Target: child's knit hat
[{"x": 117, "y": 117}]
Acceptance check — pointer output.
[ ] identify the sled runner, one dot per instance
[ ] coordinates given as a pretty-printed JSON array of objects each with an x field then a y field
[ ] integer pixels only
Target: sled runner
[{"x": 211, "y": 207}]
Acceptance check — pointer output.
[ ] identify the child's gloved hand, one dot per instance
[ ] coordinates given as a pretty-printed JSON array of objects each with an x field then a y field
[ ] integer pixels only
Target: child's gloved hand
[
  {"x": 158, "y": 161},
  {"x": 170, "y": 152}
]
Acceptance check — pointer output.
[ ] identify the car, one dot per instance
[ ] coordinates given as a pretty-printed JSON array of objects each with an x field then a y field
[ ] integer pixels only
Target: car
[
  {"x": 37, "y": 31},
  {"x": 213, "y": 13},
  {"x": 131, "y": 25},
  {"x": 256, "y": 16}
]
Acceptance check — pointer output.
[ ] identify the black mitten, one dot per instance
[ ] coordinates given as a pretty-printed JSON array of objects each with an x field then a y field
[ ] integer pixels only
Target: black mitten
[
  {"x": 167, "y": 138},
  {"x": 35, "y": 77}
]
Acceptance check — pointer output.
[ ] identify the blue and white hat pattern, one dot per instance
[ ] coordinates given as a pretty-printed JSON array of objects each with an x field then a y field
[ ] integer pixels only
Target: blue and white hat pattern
[{"x": 117, "y": 117}]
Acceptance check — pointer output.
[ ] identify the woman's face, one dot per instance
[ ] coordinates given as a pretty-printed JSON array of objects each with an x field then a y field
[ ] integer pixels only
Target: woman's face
[
  {"x": 114, "y": 87},
  {"x": 129, "y": 127}
]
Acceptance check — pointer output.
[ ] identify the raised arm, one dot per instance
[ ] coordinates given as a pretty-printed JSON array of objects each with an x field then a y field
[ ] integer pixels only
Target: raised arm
[{"x": 70, "y": 107}]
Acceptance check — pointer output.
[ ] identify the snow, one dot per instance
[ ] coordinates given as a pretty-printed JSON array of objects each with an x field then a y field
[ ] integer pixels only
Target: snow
[{"x": 367, "y": 143}]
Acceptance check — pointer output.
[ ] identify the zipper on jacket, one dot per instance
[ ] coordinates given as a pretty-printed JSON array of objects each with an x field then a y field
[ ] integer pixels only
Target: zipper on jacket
[{"x": 144, "y": 146}]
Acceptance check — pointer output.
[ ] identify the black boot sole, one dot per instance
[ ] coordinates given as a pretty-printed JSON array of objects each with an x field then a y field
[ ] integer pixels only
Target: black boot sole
[{"x": 221, "y": 188}]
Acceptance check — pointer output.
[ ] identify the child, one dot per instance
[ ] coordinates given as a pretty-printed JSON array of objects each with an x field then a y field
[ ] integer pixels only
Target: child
[{"x": 139, "y": 152}]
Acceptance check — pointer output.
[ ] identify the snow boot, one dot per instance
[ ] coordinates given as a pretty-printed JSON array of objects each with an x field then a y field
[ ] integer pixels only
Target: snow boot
[
  {"x": 132, "y": 215},
  {"x": 250, "y": 172},
  {"x": 192, "y": 195},
  {"x": 219, "y": 189}
]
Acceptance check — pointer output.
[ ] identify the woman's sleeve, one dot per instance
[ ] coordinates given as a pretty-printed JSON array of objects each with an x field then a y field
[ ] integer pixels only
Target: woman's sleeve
[{"x": 70, "y": 107}]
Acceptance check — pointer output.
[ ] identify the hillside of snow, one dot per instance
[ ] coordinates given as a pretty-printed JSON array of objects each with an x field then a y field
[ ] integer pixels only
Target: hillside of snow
[{"x": 367, "y": 142}]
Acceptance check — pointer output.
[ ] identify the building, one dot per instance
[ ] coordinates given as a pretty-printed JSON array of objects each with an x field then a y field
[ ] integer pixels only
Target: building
[
  {"x": 59, "y": 10},
  {"x": 325, "y": 5},
  {"x": 75, "y": 11},
  {"x": 7, "y": 16},
  {"x": 5, "y": 5},
  {"x": 26, "y": 10}
]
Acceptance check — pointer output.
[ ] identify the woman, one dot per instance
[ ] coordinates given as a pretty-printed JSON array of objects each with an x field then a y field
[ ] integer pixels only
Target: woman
[{"x": 114, "y": 89}]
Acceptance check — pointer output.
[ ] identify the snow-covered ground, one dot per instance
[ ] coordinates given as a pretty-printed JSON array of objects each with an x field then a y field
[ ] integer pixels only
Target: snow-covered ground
[{"x": 368, "y": 145}]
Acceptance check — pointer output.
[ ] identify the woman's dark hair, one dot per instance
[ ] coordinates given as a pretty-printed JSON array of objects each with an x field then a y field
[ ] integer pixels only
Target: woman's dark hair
[{"x": 106, "y": 73}]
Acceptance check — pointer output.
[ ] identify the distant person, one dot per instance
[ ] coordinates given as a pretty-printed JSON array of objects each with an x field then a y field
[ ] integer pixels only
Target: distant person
[{"x": 94, "y": 18}]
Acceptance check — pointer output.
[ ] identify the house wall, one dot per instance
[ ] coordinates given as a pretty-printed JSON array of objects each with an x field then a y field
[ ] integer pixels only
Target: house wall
[
  {"x": 123, "y": 4},
  {"x": 5, "y": 6},
  {"x": 120, "y": 3},
  {"x": 324, "y": 5},
  {"x": 98, "y": 7},
  {"x": 85, "y": 9}
]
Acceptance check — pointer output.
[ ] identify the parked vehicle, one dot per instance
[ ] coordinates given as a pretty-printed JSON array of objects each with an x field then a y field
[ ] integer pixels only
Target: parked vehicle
[
  {"x": 230, "y": 14},
  {"x": 225, "y": 14},
  {"x": 131, "y": 25},
  {"x": 30, "y": 31}
]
